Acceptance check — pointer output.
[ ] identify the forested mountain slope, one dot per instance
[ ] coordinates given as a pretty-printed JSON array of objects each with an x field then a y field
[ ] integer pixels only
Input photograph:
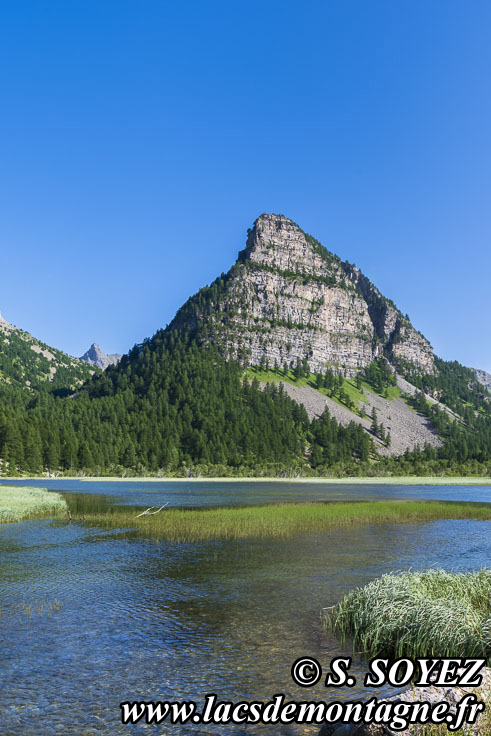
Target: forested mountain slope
[
  {"x": 207, "y": 394},
  {"x": 170, "y": 404},
  {"x": 173, "y": 406},
  {"x": 29, "y": 366}
]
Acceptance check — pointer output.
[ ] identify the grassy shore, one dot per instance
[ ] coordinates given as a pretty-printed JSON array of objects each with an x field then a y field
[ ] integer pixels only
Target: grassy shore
[
  {"x": 281, "y": 520},
  {"x": 20, "y": 502},
  {"x": 435, "y": 613}
]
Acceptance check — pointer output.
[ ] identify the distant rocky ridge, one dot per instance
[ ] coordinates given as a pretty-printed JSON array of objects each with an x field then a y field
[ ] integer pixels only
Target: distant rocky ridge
[
  {"x": 95, "y": 356},
  {"x": 288, "y": 299},
  {"x": 27, "y": 364},
  {"x": 483, "y": 378}
]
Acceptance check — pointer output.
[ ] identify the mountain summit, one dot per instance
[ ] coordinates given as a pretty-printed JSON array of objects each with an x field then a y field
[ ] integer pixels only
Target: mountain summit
[
  {"x": 289, "y": 299},
  {"x": 95, "y": 356}
]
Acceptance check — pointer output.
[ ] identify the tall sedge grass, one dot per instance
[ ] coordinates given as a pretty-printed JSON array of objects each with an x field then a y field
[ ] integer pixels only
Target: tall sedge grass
[
  {"x": 17, "y": 503},
  {"x": 280, "y": 520},
  {"x": 414, "y": 614}
]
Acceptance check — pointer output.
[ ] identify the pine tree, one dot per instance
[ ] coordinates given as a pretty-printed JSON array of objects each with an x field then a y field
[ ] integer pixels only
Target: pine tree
[{"x": 374, "y": 427}]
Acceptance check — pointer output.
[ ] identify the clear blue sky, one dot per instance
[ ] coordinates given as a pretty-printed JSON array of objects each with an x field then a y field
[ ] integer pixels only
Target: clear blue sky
[{"x": 139, "y": 141}]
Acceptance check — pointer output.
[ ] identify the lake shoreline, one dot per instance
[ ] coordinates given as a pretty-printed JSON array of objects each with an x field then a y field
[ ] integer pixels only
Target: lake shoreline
[{"x": 378, "y": 480}]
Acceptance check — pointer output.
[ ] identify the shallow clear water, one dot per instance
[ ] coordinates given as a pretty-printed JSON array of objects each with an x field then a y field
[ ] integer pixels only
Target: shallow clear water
[{"x": 116, "y": 617}]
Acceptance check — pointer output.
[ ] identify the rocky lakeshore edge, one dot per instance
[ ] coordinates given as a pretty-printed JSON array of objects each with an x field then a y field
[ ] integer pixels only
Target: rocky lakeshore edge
[{"x": 433, "y": 695}]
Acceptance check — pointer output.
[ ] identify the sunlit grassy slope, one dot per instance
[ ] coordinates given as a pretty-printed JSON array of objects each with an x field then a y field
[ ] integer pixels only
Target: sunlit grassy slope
[{"x": 349, "y": 387}]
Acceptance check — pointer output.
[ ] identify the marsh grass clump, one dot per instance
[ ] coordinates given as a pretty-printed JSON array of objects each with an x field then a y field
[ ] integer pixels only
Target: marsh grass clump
[
  {"x": 22, "y": 502},
  {"x": 42, "y": 607},
  {"x": 280, "y": 520},
  {"x": 418, "y": 614}
]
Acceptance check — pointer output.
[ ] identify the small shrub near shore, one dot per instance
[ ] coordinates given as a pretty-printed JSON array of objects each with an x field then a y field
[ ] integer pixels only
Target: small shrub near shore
[
  {"x": 434, "y": 613},
  {"x": 17, "y": 503}
]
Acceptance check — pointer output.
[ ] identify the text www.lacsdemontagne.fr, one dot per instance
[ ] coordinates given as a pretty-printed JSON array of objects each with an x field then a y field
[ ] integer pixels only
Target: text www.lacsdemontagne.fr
[{"x": 397, "y": 715}]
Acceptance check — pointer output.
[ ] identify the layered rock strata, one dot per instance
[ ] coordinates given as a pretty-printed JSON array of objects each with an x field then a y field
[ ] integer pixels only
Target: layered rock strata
[{"x": 287, "y": 299}]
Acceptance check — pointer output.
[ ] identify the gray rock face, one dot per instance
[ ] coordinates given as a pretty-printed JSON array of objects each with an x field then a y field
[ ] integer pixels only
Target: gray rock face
[
  {"x": 483, "y": 378},
  {"x": 95, "y": 356},
  {"x": 288, "y": 298}
]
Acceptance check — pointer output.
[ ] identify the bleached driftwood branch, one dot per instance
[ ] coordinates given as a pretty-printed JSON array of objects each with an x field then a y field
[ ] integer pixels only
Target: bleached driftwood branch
[{"x": 147, "y": 511}]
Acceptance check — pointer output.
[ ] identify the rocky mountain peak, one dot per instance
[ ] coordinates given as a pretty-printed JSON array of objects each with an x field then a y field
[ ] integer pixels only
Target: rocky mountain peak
[
  {"x": 277, "y": 242},
  {"x": 95, "y": 356},
  {"x": 288, "y": 299}
]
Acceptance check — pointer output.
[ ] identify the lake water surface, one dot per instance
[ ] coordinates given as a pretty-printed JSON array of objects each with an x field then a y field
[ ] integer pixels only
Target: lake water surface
[{"x": 92, "y": 618}]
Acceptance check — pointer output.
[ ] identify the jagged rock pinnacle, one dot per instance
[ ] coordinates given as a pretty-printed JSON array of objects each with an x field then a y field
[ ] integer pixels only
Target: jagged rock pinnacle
[{"x": 95, "y": 356}]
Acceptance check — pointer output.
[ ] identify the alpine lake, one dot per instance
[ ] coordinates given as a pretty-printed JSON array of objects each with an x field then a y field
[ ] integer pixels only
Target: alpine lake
[{"x": 90, "y": 618}]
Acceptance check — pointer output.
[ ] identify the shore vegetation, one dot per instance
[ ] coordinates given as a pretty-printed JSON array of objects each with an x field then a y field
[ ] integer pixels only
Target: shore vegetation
[
  {"x": 418, "y": 614},
  {"x": 18, "y": 503}
]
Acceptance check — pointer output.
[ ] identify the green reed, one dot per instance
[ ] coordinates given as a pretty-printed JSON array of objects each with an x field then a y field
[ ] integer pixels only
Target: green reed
[{"x": 280, "y": 520}]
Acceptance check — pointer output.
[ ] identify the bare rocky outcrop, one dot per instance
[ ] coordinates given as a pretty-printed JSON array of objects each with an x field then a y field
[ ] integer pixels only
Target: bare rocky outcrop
[
  {"x": 95, "y": 356},
  {"x": 287, "y": 299},
  {"x": 433, "y": 695},
  {"x": 483, "y": 378}
]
